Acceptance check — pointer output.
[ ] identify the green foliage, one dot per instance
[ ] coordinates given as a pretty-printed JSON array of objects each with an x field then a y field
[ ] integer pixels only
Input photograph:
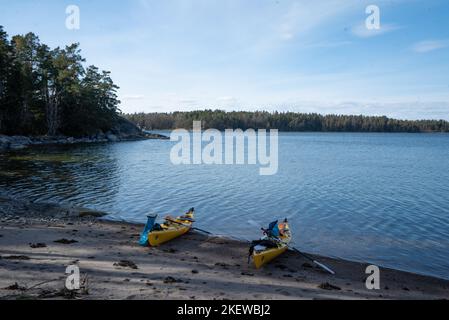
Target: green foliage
[
  {"x": 287, "y": 121},
  {"x": 45, "y": 91}
]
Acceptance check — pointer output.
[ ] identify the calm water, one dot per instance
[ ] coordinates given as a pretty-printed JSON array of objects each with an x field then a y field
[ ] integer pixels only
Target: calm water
[{"x": 382, "y": 198}]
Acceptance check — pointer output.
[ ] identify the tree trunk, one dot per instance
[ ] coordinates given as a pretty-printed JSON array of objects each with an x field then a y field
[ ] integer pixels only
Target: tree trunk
[
  {"x": 24, "y": 115},
  {"x": 53, "y": 116}
]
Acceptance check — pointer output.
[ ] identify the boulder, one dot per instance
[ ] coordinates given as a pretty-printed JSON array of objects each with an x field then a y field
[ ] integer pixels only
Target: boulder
[
  {"x": 100, "y": 135},
  {"x": 156, "y": 136},
  {"x": 20, "y": 140},
  {"x": 125, "y": 129},
  {"x": 4, "y": 139},
  {"x": 111, "y": 137},
  {"x": 5, "y": 142}
]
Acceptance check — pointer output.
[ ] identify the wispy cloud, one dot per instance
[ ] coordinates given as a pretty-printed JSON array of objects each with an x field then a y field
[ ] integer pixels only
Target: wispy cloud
[
  {"x": 362, "y": 31},
  {"x": 430, "y": 45},
  {"x": 412, "y": 110},
  {"x": 302, "y": 16},
  {"x": 227, "y": 101},
  {"x": 188, "y": 101}
]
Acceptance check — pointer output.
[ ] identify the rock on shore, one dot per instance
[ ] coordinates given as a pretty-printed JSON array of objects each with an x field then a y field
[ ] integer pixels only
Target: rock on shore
[{"x": 124, "y": 130}]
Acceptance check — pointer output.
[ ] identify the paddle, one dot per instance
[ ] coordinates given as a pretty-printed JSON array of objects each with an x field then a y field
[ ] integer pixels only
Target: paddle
[
  {"x": 322, "y": 266},
  {"x": 201, "y": 230},
  {"x": 313, "y": 260},
  {"x": 144, "y": 236},
  {"x": 184, "y": 225},
  {"x": 170, "y": 219}
]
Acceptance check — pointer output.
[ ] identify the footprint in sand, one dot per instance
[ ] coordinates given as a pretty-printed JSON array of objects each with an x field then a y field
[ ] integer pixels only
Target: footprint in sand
[
  {"x": 65, "y": 241},
  {"x": 37, "y": 245}
]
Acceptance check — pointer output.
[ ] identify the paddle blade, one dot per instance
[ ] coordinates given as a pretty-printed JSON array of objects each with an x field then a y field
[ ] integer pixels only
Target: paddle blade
[
  {"x": 148, "y": 227},
  {"x": 324, "y": 267},
  {"x": 143, "y": 239}
]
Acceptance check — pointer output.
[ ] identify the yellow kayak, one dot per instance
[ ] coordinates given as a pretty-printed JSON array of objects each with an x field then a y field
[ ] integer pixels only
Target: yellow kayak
[
  {"x": 171, "y": 229},
  {"x": 272, "y": 245},
  {"x": 263, "y": 257}
]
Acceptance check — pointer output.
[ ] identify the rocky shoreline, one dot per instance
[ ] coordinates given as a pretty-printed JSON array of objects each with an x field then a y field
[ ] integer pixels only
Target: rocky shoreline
[
  {"x": 22, "y": 210},
  {"x": 123, "y": 131},
  {"x": 22, "y": 142},
  {"x": 38, "y": 241}
]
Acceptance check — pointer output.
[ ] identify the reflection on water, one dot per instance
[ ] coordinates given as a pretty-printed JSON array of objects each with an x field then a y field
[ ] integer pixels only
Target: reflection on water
[
  {"x": 61, "y": 174},
  {"x": 370, "y": 197}
]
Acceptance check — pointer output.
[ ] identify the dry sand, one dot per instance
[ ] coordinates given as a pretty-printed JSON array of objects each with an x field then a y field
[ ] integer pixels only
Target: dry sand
[{"x": 193, "y": 267}]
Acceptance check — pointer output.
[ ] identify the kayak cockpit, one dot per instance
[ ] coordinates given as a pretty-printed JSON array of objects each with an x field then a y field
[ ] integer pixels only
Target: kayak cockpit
[
  {"x": 157, "y": 234},
  {"x": 274, "y": 242}
]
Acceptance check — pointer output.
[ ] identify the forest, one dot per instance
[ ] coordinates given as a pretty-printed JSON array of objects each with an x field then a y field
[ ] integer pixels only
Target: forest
[
  {"x": 46, "y": 91},
  {"x": 283, "y": 121}
]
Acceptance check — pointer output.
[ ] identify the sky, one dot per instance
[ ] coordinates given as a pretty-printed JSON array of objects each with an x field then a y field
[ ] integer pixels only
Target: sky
[{"x": 303, "y": 55}]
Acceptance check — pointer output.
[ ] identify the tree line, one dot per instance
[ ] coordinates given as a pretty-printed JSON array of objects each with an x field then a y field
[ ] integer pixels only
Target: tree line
[
  {"x": 283, "y": 121},
  {"x": 49, "y": 91}
]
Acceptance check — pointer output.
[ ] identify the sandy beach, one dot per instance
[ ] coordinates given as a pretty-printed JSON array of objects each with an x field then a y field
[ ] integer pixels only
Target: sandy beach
[{"x": 37, "y": 245}]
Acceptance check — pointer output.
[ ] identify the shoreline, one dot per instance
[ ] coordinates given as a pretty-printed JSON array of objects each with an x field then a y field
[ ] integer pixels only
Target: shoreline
[
  {"x": 194, "y": 267},
  {"x": 123, "y": 130},
  {"x": 11, "y": 143}
]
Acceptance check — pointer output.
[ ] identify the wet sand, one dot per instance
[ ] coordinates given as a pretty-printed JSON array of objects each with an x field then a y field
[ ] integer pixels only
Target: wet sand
[{"x": 194, "y": 267}]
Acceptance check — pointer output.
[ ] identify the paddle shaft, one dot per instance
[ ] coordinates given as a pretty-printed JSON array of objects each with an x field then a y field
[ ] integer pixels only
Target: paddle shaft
[
  {"x": 322, "y": 266},
  {"x": 198, "y": 229},
  {"x": 180, "y": 223},
  {"x": 201, "y": 230}
]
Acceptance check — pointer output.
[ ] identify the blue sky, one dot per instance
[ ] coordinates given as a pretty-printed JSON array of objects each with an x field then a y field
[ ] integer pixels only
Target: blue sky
[{"x": 307, "y": 56}]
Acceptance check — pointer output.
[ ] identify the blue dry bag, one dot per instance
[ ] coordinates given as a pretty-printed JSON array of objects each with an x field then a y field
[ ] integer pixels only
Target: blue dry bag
[{"x": 273, "y": 230}]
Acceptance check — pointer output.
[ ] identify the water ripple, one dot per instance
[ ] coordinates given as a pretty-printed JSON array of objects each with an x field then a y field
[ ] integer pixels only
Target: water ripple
[{"x": 367, "y": 197}]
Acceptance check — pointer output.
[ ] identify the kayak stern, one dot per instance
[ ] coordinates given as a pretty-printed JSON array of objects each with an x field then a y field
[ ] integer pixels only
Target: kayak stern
[{"x": 262, "y": 258}]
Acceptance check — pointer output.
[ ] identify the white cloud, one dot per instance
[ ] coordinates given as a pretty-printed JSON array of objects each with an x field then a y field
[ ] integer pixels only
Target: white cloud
[
  {"x": 304, "y": 15},
  {"x": 362, "y": 31},
  {"x": 430, "y": 45}
]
